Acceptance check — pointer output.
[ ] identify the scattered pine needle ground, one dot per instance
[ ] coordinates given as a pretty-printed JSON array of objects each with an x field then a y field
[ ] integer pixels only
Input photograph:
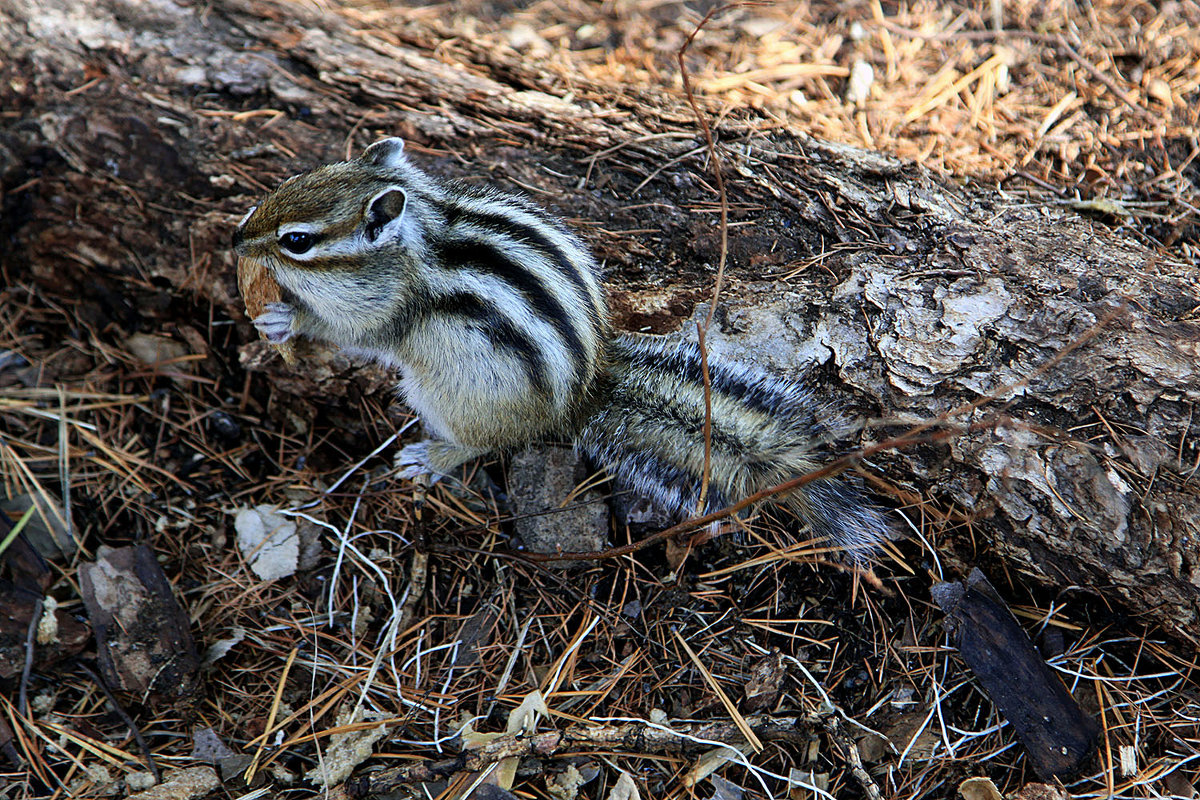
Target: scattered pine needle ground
[{"x": 1094, "y": 105}]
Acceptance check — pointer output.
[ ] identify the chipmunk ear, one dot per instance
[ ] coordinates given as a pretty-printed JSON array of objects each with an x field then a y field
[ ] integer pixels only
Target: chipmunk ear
[
  {"x": 385, "y": 212},
  {"x": 386, "y": 153}
]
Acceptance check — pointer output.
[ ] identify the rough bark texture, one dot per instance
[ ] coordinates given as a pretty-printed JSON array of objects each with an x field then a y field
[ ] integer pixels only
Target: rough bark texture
[{"x": 132, "y": 138}]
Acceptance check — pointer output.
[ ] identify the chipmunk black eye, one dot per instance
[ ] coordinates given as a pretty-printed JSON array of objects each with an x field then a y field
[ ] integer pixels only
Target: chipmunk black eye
[{"x": 297, "y": 242}]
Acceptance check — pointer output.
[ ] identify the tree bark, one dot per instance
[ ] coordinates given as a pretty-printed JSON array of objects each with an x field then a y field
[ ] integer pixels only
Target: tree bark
[{"x": 1059, "y": 359}]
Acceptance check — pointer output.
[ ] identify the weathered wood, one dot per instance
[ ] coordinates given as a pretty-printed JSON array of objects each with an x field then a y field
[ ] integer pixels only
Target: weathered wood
[
  {"x": 144, "y": 642},
  {"x": 141, "y": 127},
  {"x": 634, "y": 737},
  {"x": 1057, "y": 734}
]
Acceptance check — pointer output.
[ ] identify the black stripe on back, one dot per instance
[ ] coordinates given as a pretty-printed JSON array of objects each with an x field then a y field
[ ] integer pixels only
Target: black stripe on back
[
  {"x": 499, "y": 330},
  {"x": 685, "y": 362},
  {"x": 469, "y": 253},
  {"x": 530, "y": 236}
]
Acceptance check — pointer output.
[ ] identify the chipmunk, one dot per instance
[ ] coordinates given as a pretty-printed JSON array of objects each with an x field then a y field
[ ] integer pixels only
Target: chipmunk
[{"x": 494, "y": 313}]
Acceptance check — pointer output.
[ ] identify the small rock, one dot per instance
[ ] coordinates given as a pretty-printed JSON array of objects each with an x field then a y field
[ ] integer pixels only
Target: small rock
[{"x": 541, "y": 479}]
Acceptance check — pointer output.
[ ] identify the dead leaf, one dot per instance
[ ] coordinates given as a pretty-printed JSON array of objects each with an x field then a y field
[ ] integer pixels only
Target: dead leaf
[
  {"x": 155, "y": 351},
  {"x": 268, "y": 541},
  {"x": 625, "y": 789}
]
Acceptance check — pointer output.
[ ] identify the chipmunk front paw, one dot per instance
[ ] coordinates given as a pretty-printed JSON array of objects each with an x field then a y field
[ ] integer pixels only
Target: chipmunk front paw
[{"x": 277, "y": 323}]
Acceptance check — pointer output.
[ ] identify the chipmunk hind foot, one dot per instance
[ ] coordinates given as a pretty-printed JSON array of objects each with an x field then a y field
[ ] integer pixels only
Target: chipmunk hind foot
[{"x": 433, "y": 459}]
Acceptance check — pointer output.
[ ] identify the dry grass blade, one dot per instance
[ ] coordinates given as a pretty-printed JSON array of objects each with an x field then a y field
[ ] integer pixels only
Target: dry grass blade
[{"x": 738, "y": 719}]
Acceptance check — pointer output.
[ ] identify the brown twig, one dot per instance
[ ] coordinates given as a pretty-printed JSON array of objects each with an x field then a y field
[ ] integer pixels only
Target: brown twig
[
  {"x": 30, "y": 646},
  {"x": 706, "y": 473},
  {"x": 631, "y": 739},
  {"x": 1092, "y": 70},
  {"x": 147, "y": 753},
  {"x": 714, "y": 158},
  {"x": 837, "y": 734}
]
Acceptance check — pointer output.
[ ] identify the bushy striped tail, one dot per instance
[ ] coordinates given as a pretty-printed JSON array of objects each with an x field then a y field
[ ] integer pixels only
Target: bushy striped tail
[{"x": 649, "y": 435}]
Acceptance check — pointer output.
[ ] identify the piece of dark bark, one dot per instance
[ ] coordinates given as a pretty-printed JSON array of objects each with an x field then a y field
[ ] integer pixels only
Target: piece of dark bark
[
  {"x": 930, "y": 297},
  {"x": 1057, "y": 734},
  {"x": 144, "y": 644},
  {"x": 26, "y": 577},
  {"x": 17, "y": 609}
]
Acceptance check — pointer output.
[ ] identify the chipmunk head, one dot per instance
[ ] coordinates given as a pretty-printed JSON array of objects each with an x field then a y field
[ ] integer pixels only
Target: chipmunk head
[
  {"x": 346, "y": 238},
  {"x": 326, "y": 218}
]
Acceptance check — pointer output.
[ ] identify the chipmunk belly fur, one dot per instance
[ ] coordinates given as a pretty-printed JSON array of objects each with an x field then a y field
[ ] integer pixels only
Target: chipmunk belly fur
[{"x": 494, "y": 313}]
